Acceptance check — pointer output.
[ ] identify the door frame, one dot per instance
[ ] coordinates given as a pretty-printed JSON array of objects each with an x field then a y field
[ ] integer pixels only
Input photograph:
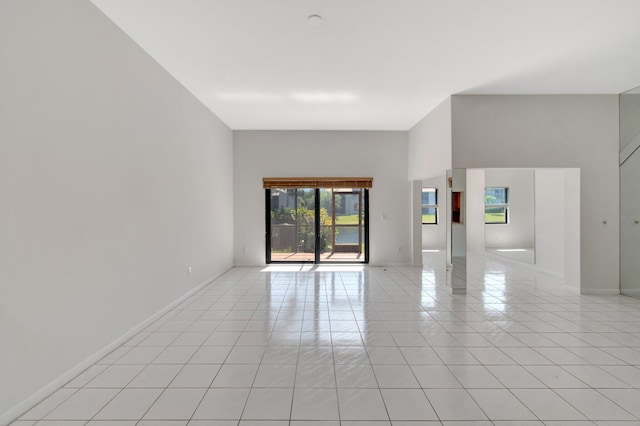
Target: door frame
[{"x": 317, "y": 254}]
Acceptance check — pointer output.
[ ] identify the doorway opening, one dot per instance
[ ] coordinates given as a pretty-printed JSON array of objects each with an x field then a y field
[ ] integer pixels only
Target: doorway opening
[{"x": 319, "y": 225}]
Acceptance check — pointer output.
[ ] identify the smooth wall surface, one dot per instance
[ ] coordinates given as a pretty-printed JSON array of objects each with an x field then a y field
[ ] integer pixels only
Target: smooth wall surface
[
  {"x": 519, "y": 231},
  {"x": 435, "y": 236},
  {"x": 572, "y": 233},
  {"x": 578, "y": 131},
  {"x": 629, "y": 192},
  {"x": 550, "y": 224},
  {"x": 113, "y": 180},
  {"x": 557, "y": 223},
  {"x": 430, "y": 144},
  {"x": 474, "y": 210},
  {"x": 630, "y": 118},
  {"x": 457, "y": 249},
  {"x": 630, "y": 226},
  {"x": 381, "y": 155}
]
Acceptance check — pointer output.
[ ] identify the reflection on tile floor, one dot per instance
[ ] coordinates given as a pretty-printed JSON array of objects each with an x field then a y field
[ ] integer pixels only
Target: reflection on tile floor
[{"x": 355, "y": 345}]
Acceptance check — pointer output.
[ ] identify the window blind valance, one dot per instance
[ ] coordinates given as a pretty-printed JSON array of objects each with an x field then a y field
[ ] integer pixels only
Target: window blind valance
[{"x": 318, "y": 182}]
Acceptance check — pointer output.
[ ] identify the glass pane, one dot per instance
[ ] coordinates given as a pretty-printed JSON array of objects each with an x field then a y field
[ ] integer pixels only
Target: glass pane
[
  {"x": 326, "y": 240},
  {"x": 495, "y": 196},
  {"x": 341, "y": 225},
  {"x": 326, "y": 207},
  {"x": 327, "y": 220},
  {"x": 293, "y": 224},
  {"x": 429, "y": 196},
  {"x": 429, "y": 215},
  {"x": 293, "y": 230},
  {"x": 347, "y": 235},
  {"x": 347, "y": 209},
  {"x": 496, "y": 214}
]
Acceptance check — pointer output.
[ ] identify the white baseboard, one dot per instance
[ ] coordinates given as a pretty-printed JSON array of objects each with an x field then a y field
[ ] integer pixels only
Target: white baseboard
[
  {"x": 388, "y": 264},
  {"x": 26, "y": 405},
  {"x": 600, "y": 291},
  {"x": 530, "y": 266},
  {"x": 631, "y": 292},
  {"x": 373, "y": 265}
]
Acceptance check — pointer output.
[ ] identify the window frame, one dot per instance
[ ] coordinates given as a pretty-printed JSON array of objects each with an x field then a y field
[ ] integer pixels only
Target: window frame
[
  {"x": 429, "y": 206},
  {"x": 363, "y": 224},
  {"x": 504, "y": 205}
]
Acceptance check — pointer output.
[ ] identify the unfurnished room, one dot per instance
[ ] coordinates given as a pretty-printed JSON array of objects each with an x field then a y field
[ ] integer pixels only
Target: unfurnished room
[{"x": 319, "y": 212}]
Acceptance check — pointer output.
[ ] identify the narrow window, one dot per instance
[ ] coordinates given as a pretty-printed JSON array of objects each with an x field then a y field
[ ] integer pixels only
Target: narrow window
[
  {"x": 496, "y": 205},
  {"x": 429, "y": 206}
]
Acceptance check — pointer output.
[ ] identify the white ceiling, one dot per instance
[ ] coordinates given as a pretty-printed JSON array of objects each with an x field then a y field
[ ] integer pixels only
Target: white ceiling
[{"x": 379, "y": 64}]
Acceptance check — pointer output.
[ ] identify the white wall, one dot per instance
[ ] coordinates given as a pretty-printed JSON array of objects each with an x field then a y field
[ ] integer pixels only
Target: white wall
[
  {"x": 474, "y": 210},
  {"x": 630, "y": 228},
  {"x": 557, "y": 223},
  {"x": 549, "y": 217},
  {"x": 572, "y": 234},
  {"x": 430, "y": 144},
  {"x": 416, "y": 222},
  {"x": 113, "y": 180},
  {"x": 459, "y": 229},
  {"x": 429, "y": 157},
  {"x": 381, "y": 155},
  {"x": 457, "y": 248},
  {"x": 519, "y": 231},
  {"x": 629, "y": 118},
  {"x": 578, "y": 131},
  {"x": 435, "y": 236},
  {"x": 630, "y": 192}
]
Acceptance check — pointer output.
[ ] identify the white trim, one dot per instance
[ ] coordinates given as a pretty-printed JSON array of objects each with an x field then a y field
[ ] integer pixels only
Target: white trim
[
  {"x": 635, "y": 292},
  {"x": 600, "y": 291},
  {"x": 535, "y": 268},
  {"x": 251, "y": 265},
  {"x": 21, "y": 408},
  {"x": 381, "y": 265},
  {"x": 520, "y": 263}
]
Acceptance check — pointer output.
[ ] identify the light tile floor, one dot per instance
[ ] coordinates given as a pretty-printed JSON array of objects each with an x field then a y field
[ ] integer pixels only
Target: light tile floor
[{"x": 354, "y": 345}]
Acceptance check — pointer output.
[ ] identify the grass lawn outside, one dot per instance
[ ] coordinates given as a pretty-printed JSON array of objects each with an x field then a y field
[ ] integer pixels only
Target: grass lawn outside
[
  {"x": 351, "y": 219},
  {"x": 488, "y": 218},
  {"x": 495, "y": 217},
  {"x": 429, "y": 219}
]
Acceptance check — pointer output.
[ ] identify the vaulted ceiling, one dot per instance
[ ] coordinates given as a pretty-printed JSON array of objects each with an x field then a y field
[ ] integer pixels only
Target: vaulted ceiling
[{"x": 379, "y": 64}]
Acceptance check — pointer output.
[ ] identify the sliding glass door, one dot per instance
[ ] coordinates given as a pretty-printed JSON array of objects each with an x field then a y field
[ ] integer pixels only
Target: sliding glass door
[
  {"x": 317, "y": 225},
  {"x": 343, "y": 225},
  {"x": 292, "y": 230}
]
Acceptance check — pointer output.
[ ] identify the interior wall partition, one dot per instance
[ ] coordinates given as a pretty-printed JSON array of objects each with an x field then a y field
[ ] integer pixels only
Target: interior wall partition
[{"x": 630, "y": 193}]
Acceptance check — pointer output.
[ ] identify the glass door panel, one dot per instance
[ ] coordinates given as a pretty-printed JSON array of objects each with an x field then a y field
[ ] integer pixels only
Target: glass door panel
[
  {"x": 343, "y": 225},
  {"x": 327, "y": 223},
  {"x": 292, "y": 235},
  {"x": 316, "y": 225}
]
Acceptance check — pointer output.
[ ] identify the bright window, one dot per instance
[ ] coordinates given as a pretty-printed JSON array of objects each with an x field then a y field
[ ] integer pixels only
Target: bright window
[
  {"x": 496, "y": 205},
  {"x": 429, "y": 206}
]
